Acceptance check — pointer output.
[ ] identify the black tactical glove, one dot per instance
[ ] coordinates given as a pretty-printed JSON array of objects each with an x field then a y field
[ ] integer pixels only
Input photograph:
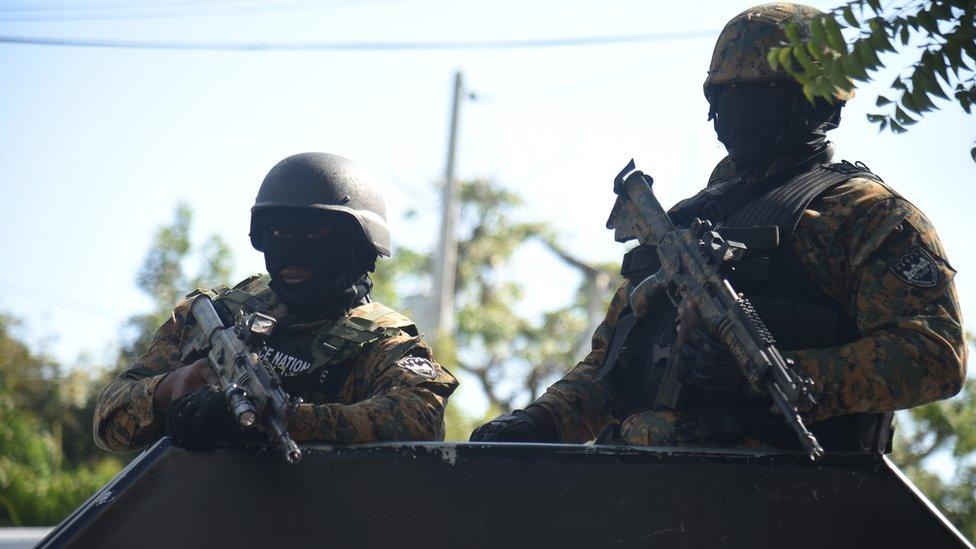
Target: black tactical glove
[
  {"x": 532, "y": 425},
  {"x": 196, "y": 419},
  {"x": 704, "y": 362}
]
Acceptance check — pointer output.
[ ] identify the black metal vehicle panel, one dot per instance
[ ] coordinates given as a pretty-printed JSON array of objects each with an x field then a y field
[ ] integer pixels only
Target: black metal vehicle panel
[{"x": 504, "y": 495}]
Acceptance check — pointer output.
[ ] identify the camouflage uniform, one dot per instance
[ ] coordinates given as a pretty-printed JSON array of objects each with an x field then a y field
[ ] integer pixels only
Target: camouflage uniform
[
  {"x": 366, "y": 377},
  {"x": 856, "y": 242}
]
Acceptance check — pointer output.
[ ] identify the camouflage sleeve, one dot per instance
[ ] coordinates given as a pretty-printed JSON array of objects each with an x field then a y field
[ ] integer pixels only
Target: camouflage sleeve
[
  {"x": 124, "y": 417},
  {"x": 876, "y": 254},
  {"x": 579, "y": 406},
  {"x": 396, "y": 391}
]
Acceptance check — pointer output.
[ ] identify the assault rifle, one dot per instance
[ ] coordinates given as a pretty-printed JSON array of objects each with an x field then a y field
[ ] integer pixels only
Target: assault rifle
[
  {"x": 692, "y": 264},
  {"x": 252, "y": 389}
]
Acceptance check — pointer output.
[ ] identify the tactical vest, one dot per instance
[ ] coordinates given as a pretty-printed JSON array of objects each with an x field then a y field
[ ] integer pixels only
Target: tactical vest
[
  {"x": 335, "y": 344},
  {"x": 798, "y": 314}
]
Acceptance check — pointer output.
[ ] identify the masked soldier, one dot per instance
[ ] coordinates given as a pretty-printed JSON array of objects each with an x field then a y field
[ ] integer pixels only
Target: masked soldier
[
  {"x": 362, "y": 369},
  {"x": 849, "y": 276}
]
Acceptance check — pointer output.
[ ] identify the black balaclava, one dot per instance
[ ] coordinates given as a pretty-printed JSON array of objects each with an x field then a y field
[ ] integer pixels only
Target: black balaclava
[
  {"x": 337, "y": 261},
  {"x": 771, "y": 129}
]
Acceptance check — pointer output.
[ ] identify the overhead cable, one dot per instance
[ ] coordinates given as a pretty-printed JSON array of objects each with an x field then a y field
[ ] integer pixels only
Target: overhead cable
[
  {"x": 90, "y": 13},
  {"x": 49, "y": 300},
  {"x": 357, "y": 46}
]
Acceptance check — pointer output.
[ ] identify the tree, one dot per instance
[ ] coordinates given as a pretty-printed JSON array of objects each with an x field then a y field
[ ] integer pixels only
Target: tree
[
  {"x": 58, "y": 398},
  {"x": 943, "y": 30},
  {"x": 513, "y": 357},
  {"x": 48, "y": 465},
  {"x": 163, "y": 277},
  {"x": 945, "y": 429}
]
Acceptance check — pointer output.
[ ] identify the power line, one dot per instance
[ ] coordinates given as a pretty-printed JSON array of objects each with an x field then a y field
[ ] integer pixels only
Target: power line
[
  {"x": 141, "y": 7},
  {"x": 358, "y": 46},
  {"x": 50, "y": 300},
  {"x": 89, "y": 13}
]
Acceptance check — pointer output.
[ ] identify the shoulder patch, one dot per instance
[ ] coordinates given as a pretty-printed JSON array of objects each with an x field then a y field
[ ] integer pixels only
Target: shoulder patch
[
  {"x": 418, "y": 365},
  {"x": 917, "y": 267}
]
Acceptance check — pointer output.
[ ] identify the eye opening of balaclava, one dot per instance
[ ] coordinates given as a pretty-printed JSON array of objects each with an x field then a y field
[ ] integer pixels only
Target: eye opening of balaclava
[
  {"x": 316, "y": 259},
  {"x": 761, "y": 123}
]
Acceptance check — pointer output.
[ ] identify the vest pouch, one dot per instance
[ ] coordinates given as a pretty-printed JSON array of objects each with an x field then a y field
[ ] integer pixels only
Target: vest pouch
[
  {"x": 797, "y": 325},
  {"x": 861, "y": 433},
  {"x": 854, "y": 433}
]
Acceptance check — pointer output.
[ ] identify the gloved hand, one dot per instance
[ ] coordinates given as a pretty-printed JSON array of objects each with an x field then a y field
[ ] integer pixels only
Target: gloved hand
[
  {"x": 704, "y": 362},
  {"x": 196, "y": 419},
  {"x": 531, "y": 425},
  {"x": 182, "y": 380}
]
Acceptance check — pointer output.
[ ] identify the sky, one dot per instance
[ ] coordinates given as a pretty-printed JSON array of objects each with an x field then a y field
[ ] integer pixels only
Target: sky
[{"x": 99, "y": 145}]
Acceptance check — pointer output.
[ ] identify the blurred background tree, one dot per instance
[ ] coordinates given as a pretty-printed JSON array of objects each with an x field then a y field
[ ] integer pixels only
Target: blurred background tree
[
  {"x": 50, "y": 464},
  {"x": 513, "y": 356},
  {"x": 935, "y": 445},
  {"x": 944, "y": 32},
  {"x": 163, "y": 278}
]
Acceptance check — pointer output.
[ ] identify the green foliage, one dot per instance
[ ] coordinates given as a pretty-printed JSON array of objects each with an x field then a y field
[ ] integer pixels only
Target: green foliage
[
  {"x": 164, "y": 279},
  {"x": 460, "y": 425},
  {"x": 945, "y": 429},
  {"x": 62, "y": 400},
  {"x": 161, "y": 275},
  {"x": 513, "y": 357},
  {"x": 25, "y": 376},
  {"x": 48, "y": 465},
  {"x": 35, "y": 490},
  {"x": 406, "y": 268},
  {"x": 827, "y": 65},
  {"x": 930, "y": 436},
  {"x": 497, "y": 345}
]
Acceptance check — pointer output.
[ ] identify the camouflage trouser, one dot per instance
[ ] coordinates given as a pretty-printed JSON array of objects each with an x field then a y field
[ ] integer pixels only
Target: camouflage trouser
[{"x": 673, "y": 428}]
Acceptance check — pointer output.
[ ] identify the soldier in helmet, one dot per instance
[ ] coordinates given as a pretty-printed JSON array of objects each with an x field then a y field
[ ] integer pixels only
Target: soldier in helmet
[
  {"x": 849, "y": 276},
  {"x": 364, "y": 372}
]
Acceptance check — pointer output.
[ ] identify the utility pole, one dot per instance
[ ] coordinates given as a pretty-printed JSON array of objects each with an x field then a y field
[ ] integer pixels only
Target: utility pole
[
  {"x": 597, "y": 284},
  {"x": 447, "y": 247}
]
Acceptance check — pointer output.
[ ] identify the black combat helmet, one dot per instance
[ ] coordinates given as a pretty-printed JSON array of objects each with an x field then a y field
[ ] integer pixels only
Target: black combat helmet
[{"x": 325, "y": 182}]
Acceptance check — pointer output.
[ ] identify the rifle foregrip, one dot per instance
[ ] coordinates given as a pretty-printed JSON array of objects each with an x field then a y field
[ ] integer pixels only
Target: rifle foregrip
[{"x": 755, "y": 322}]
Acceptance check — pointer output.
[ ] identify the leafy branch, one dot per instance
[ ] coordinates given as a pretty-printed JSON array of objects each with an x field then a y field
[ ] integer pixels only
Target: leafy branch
[{"x": 827, "y": 65}]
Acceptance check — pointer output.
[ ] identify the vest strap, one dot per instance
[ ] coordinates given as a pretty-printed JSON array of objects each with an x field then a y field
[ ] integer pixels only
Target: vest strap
[
  {"x": 755, "y": 238},
  {"x": 345, "y": 339},
  {"x": 783, "y": 205}
]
